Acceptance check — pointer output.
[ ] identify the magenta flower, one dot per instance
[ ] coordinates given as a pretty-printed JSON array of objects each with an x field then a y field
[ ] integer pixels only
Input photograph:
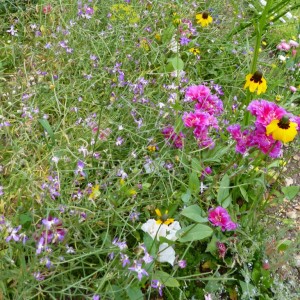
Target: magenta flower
[
  {"x": 265, "y": 111},
  {"x": 197, "y": 93},
  {"x": 220, "y": 217},
  {"x": 197, "y": 118},
  {"x": 172, "y": 137}
]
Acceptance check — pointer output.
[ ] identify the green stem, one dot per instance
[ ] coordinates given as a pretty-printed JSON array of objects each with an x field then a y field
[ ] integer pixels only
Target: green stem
[{"x": 259, "y": 31}]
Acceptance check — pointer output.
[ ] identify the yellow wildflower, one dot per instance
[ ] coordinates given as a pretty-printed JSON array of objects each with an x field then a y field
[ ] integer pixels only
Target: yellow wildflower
[
  {"x": 163, "y": 218},
  {"x": 204, "y": 19},
  {"x": 255, "y": 82},
  {"x": 282, "y": 130}
]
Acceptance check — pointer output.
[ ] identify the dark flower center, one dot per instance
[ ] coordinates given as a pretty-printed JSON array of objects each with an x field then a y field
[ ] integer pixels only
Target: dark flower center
[
  {"x": 284, "y": 123},
  {"x": 256, "y": 77},
  {"x": 205, "y": 15}
]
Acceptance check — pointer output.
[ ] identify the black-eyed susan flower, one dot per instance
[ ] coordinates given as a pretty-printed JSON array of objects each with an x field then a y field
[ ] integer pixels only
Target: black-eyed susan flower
[
  {"x": 255, "y": 82},
  {"x": 163, "y": 218},
  {"x": 204, "y": 19},
  {"x": 282, "y": 130},
  {"x": 195, "y": 51}
]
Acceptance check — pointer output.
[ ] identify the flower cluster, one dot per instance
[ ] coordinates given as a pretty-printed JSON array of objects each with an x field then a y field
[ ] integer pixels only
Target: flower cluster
[
  {"x": 172, "y": 137},
  {"x": 52, "y": 233},
  {"x": 159, "y": 228},
  {"x": 207, "y": 107},
  {"x": 11, "y": 233},
  {"x": 272, "y": 126},
  {"x": 220, "y": 217}
]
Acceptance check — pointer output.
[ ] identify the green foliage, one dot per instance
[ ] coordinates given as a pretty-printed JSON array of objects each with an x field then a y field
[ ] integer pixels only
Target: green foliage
[{"x": 85, "y": 94}]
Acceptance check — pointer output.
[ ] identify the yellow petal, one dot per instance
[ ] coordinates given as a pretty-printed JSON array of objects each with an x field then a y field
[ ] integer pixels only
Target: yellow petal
[
  {"x": 158, "y": 213},
  {"x": 272, "y": 126}
]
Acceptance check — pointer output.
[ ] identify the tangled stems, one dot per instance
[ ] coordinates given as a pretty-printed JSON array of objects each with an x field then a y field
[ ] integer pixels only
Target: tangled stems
[{"x": 259, "y": 32}]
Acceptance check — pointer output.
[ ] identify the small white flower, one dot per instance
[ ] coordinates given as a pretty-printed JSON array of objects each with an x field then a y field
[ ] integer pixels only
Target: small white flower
[
  {"x": 282, "y": 20},
  {"x": 263, "y": 2},
  {"x": 166, "y": 254},
  {"x": 281, "y": 58},
  {"x": 289, "y": 15}
]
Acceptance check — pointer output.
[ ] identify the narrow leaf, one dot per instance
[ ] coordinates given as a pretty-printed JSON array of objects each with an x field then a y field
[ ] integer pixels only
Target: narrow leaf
[{"x": 48, "y": 129}]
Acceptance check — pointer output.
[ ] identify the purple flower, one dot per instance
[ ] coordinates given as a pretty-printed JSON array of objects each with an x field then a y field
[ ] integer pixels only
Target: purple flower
[
  {"x": 12, "y": 30},
  {"x": 50, "y": 222},
  {"x": 96, "y": 297},
  {"x": 120, "y": 244},
  {"x": 79, "y": 170},
  {"x": 182, "y": 264},
  {"x": 134, "y": 216},
  {"x": 137, "y": 267},
  {"x": 38, "y": 276},
  {"x": 156, "y": 284},
  {"x": 147, "y": 258},
  {"x": 40, "y": 245},
  {"x": 125, "y": 260},
  {"x": 184, "y": 40},
  {"x": 13, "y": 234}
]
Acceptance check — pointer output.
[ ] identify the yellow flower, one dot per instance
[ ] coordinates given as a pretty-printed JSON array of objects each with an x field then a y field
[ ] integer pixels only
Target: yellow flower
[
  {"x": 256, "y": 82},
  {"x": 157, "y": 36},
  {"x": 204, "y": 19},
  {"x": 144, "y": 44},
  {"x": 163, "y": 219},
  {"x": 278, "y": 97},
  {"x": 195, "y": 51},
  {"x": 151, "y": 148},
  {"x": 282, "y": 130},
  {"x": 95, "y": 192}
]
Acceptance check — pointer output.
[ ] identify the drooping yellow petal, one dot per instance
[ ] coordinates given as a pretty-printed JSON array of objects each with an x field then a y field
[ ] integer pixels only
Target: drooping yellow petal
[{"x": 158, "y": 213}]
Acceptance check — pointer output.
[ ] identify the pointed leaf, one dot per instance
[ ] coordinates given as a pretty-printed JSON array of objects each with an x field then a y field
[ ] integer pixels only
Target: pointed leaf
[
  {"x": 166, "y": 279},
  {"x": 195, "y": 213},
  {"x": 290, "y": 192},
  {"x": 194, "y": 232}
]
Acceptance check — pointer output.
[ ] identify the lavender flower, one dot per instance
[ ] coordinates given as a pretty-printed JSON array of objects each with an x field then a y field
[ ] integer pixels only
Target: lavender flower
[
  {"x": 13, "y": 234},
  {"x": 156, "y": 284},
  {"x": 137, "y": 267}
]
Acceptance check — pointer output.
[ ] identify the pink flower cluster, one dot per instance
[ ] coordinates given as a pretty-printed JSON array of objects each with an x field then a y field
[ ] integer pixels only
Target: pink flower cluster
[
  {"x": 265, "y": 112},
  {"x": 286, "y": 46},
  {"x": 207, "y": 107},
  {"x": 220, "y": 217},
  {"x": 172, "y": 137}
]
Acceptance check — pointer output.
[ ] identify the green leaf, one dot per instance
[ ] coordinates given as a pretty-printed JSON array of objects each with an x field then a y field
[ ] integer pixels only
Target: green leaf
[
  {"x": 167, "y": 34},
  {"x": 150, "y": 244},
  {"x": 212, "y": 245},
  {"x": 223, "y": 193},
  {"x": 194, "y": 212},
  {"x": 134, "y": 293},
  {"x": 290, "y": 192},
  {"x": 48, "y": 129},
  {"x": 187, "y": 196},
  {"x": 194, "y": 182},
  {"x": 283, "y": 245},
  {"x": 244, "y": 193},
  {"x": 194, "y": 232},
  {"x": 166, "y": 279},
  {"x": 196, "y": 165},
  {"x": 177, "y": 63}
]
